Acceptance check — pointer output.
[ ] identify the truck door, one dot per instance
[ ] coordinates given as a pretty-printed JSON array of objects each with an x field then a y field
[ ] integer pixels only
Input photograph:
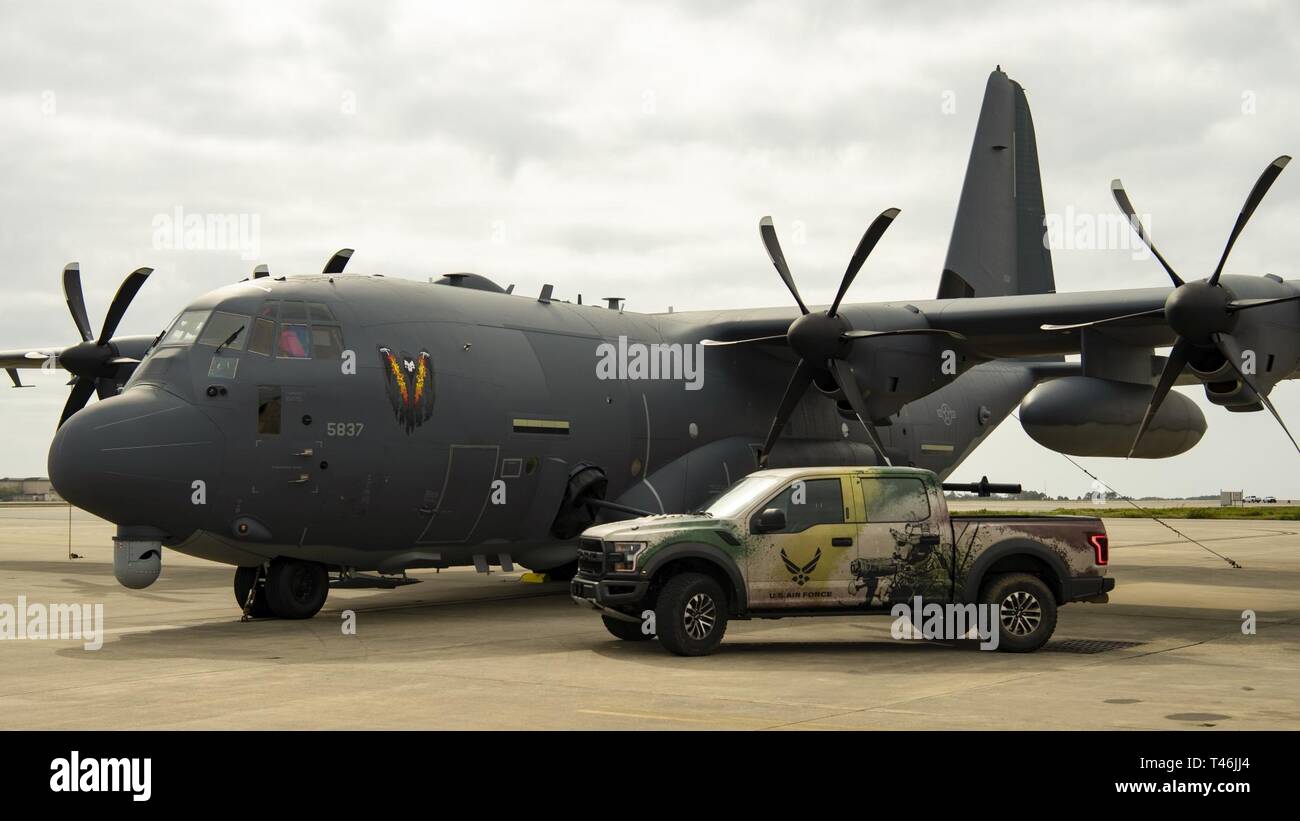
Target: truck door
[
  {"x": 901, "y": 550},
  {"x": 807, "y": 564}
]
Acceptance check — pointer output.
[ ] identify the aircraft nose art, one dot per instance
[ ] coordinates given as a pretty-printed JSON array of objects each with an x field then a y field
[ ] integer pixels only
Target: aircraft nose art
[{"x": 145, "y": 457}]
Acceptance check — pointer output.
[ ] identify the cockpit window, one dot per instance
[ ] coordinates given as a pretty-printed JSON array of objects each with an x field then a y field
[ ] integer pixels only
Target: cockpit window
[
  {"x": 185, "y": 329},
  {"x": 294, "y": 342},
  {"x": 227, "y": 330},
  {"x": 320, "y": 312},
  {"x": 262, "y": 337},
  {"x": 293, "y": 310}
]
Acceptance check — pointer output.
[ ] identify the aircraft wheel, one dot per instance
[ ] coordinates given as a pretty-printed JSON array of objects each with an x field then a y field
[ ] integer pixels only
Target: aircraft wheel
[
  {"x": 563, "y": 573},
  {"x": 244, "y": 578},
  {"x": 296, "y": 589},
  {"x": 626, "y": 630}
]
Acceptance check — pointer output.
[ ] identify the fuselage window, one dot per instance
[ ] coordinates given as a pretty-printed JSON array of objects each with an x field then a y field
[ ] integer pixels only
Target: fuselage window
[
  {"x": 262, "y": 337},
  {"x": 225, "y": 330},
  {"x": 293, "y": 342},
  {"x": 327, "y": 342},
  {"x": 268, "y": 409},
  {"x": 186, "y": 328}
]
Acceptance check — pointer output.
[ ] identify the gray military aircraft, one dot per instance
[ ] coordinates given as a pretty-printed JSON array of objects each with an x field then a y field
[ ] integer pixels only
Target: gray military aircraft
[{"x": 339, "y": 430}]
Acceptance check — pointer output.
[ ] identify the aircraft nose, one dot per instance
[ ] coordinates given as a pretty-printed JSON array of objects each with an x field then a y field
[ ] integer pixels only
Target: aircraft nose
[{"x": 140, "y": 458}]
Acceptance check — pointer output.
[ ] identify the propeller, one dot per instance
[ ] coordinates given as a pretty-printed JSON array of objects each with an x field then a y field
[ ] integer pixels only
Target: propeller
[
  {"x": 94, "y": 362},
  {"x": 1202, "y": 312},
  {"x": 822, "y": 340}
]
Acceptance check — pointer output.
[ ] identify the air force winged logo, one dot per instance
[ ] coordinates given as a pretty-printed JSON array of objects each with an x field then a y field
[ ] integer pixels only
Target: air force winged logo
[
  {"x": 409, "y": 380},
  {"x": 799, "y": 575}
]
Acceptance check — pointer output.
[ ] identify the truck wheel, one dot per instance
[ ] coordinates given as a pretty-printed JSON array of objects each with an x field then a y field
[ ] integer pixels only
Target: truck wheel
[
  {"x": 1028, "y": 611},
  {"x": 244, "y": 578},
  {"x": 296, "y": 589},
  {"x": 626, "y": 630},
  {"x": 691, "y": 616}
]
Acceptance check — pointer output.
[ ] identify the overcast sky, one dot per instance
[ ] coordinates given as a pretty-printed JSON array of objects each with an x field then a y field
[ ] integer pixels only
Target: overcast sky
[{"x": 626, "y": 148}]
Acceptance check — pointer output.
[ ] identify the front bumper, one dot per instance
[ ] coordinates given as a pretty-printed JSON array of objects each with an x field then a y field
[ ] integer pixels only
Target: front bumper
[
  {"x": 1083, "y": 588},
  {"x": 608, "y": 593}
]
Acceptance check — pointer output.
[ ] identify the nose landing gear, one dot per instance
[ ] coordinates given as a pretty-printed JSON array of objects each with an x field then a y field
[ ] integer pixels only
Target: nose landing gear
[{"x": 286, "y": 589}]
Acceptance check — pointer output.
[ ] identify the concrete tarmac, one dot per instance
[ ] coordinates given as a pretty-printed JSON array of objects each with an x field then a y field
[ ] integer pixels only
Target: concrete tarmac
[{"x": 464, "y": 650}]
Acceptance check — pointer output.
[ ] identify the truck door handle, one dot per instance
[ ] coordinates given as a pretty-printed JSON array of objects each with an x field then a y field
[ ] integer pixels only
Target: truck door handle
[{"x": 842, "y": 541}]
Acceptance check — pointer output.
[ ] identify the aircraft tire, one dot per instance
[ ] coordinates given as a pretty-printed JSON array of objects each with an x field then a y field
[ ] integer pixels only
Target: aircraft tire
[
  {"x": 244, "y": 577},
  {"x": 296, "y": 589},
  {"x": 625, "y": 630},
  {"x": 691, "y": 615}
]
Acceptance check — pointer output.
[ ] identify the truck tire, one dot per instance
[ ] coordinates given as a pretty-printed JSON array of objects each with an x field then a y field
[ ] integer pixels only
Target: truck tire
[
  {"x": 691, "y": 615},
  {"x": 626, "y": 630},
  {"x": 1028, "y": 611}
]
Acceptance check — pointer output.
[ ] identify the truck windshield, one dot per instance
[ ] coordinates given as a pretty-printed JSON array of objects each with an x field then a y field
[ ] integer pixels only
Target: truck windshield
[{"x": 741, "y": 495}]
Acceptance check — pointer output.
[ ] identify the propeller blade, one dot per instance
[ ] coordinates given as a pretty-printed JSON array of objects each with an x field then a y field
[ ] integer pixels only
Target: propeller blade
[
  {"x": 105, "y": 388},
  {"x": 849, "y": 385},
  {"x": 122, "y": 360},
  {"x": 338, "y": 262},
  {"x": 82, "y": 388},
  {"x": 1153, "y": 312},
  {"x": 719, "y": 343},
  {"x": 799, "y": 382},
  {"x": 1121, "y": 198},
  {"x": 76, "y": 300},
  {"x": 1257, "y": 193},
  {"x": 1244, "y": 304},
  {"x": 849, "y": 335},
  {"x": 1231, "y": 350},
  {"x": 1173, "y": 367},
  {"x": 768, "y": 233},
  {"x": 121, "y": 301},
  {"x": 874, "y": 232}
]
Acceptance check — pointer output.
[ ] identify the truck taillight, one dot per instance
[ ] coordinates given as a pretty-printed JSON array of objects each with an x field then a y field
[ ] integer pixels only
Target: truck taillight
[{"x": 1101, "y": 546}]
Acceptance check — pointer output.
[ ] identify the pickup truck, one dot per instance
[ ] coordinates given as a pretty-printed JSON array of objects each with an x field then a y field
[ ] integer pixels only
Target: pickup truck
[{"x": 831, "y": 541}]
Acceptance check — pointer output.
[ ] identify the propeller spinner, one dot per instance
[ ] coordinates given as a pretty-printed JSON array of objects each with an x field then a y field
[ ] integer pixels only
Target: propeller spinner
[
  {"x": 94, "y": 362},
  {"x": 822, "y": 340},
  {"x": 1202, "y": 313}
]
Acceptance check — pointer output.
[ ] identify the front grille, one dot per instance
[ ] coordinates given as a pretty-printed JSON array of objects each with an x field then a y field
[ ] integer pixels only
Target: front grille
[{"x": 591, "y": 558}]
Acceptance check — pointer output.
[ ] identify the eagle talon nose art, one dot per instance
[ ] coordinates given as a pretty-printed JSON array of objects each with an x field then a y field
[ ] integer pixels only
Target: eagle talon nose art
[{"x": 409, "y": 380}]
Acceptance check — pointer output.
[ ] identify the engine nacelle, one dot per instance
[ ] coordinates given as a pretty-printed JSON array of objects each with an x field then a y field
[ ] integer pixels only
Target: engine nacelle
[{"x": 1087, "y": 416}]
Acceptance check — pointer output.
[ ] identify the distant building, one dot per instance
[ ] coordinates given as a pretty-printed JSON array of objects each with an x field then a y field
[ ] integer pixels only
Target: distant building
[
  {"x": 1230, "y": 498},
  {"x": 31, "y": 489}
]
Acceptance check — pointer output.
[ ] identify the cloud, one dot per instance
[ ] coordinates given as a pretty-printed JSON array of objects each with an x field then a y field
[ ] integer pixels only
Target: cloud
[{"x": 625, "y": 149}]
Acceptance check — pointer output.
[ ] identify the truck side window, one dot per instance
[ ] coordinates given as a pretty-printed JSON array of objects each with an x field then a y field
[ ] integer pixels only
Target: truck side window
[
  {"x": 896, "y": 499},
  {"x": 810, "y": 502}
]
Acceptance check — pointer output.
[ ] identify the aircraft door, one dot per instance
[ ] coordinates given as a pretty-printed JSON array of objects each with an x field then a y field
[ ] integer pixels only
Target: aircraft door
[
  {"x": 465, "y": 495},
  {"x": 901, "y": 550},
  {"x": 807, "y": 563}
]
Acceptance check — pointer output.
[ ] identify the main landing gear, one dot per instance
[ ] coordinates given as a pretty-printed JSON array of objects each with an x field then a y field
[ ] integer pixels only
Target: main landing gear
[{"x": 286, "y": 589}]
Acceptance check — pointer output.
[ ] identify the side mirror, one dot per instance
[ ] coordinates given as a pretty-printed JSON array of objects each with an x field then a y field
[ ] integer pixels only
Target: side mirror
[{"x": 770, "y": 520}]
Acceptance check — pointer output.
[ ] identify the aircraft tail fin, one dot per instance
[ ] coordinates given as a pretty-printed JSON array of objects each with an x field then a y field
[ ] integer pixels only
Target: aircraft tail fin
[{"x": 999, "y": 238}]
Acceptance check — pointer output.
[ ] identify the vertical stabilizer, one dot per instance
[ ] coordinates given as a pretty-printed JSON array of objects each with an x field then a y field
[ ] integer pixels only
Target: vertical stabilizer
[{"x": 999, "y": 242}]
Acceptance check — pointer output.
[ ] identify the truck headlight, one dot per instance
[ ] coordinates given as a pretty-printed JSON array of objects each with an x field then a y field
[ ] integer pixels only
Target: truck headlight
[{"x": 623, "y": 556}]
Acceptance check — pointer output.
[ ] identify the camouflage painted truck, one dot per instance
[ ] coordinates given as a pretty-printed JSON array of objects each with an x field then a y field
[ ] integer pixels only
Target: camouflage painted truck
[{"x": 832, "y": 541}]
